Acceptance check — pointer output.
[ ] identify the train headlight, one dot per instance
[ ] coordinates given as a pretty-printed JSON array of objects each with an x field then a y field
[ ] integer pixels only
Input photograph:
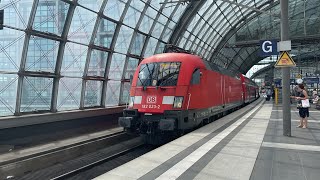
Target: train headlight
[
  {"x": 177, "y": 102},
  {"x": 131, "y": 101}
]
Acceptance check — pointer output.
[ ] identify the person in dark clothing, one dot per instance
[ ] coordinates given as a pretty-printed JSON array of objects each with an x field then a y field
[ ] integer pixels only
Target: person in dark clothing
[
  {"x": 301, "y": 94},
  {"x": 269, "y": 93}
]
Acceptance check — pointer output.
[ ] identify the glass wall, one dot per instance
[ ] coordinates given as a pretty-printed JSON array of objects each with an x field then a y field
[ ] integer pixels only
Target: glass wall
[{"x": 58, "y": 55}]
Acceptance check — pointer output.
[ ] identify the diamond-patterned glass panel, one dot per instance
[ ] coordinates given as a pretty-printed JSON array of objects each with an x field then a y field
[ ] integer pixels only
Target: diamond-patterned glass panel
[
  {"x": 74, "y": 59},
  {"x": 171, "y": 24},
  {"x": 93, "y": 93},
  {"x": 113, "y": 93},
  {"x": 50, "y": 16},
  {"x": 98, "y": 62},
  {"x": 296, "y": 26},
  {"x": 137, "y": 45},
  {"x": 16, "y": 13},
  {"x": 11, "y": 45},
  {"x": 125, "y": 93},
  {"x": 166, "y": 34},
  {"x": 156, "y": 4},
  {"x": 151, "y": 47},
  {"x": 137, "y": 4},
  {"x": 146, "y": 24},
  {"x": 157, "y": 30},
  {"x": 36, "y": 94},
  {"x": 91, "y": 4},
  {"x": 114, "y": 9},
  {"x": 82, "y": 25},
  {"x": 168, "y": 9},
  {"x": 132, "y": 17},
  {"x": 179, "y": 12},
  {"x": 8, "y": 93},
  {"x": 315, "y": 23},
  {"x": 160, "y": 48},
  {"x": 105, "y": 33},
  {"x": 42, "y": 54},
  {"x": 123, "y": 40},
  {"x": 151, "y": 13},
  {"x": 131, "y": 67},
  {"x": 116, "y": 66},
  {"x": 69, "y": 93}
]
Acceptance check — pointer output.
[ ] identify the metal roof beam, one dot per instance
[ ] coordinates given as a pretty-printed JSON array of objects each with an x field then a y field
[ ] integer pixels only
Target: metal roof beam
[
  {"x": 262, "y": 70},
  {"x": 246, "y": 67},
  {"x": 185, "y": 20},
  {"x": 239, "y": 25},
  {"x": 251, "y": 8}
]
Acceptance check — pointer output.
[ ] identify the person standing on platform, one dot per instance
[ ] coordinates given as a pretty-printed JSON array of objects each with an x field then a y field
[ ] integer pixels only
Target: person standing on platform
[
  {"x": 301, "y": 94},
  {"x": 314, "y": 93},
  {"x": 269, "y": 93},
  {"x": 315, "y": 96}
]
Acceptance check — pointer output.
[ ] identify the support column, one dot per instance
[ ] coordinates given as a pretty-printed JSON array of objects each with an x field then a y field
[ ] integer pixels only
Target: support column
[{"x": 286, "y": 107}]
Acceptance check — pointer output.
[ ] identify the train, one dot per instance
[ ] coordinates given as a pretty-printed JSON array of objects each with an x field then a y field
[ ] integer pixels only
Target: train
[{"x": 172, "y": 93}]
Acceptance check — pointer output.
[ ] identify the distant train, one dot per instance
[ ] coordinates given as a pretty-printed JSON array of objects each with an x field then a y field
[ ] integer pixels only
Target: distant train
[{"x": 175, "y": 92}]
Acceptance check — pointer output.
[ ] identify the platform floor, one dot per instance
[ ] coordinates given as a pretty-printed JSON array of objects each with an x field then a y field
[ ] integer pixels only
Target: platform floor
[
  {"x": 247, "y": 144},
  {"x": 296, "y": 157}
]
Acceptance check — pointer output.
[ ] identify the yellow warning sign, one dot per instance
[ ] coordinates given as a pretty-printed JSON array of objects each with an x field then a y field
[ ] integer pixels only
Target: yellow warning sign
[{"x": 285, "y": 60}]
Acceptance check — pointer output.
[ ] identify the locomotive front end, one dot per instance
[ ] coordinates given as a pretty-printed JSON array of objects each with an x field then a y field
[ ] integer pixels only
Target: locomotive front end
[{"x": 157, "y": 99}]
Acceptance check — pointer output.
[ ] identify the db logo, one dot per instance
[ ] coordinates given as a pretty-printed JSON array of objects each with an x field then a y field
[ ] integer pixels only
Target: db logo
[{"x": 151, "y": 99}]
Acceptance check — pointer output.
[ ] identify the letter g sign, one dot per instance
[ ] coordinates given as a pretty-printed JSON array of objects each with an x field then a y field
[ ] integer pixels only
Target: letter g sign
[{"x": 268, "y": 47}]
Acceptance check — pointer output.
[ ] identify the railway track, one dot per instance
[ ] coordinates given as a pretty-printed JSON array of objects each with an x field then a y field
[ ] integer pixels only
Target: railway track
[
  {"x": 34, "y": 161},
  {"x": 99, "y": 167},
  {"x": 94, "y": 164}
]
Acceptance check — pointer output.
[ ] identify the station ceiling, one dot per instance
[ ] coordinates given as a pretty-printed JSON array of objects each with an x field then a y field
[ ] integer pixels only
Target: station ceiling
[{"x": 58, "y": 55}]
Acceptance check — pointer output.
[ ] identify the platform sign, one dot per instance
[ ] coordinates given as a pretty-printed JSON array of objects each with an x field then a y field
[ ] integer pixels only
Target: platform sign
[
  {"x": 268, "y": 48},
  {"x": 311, "y": 80},
  {"x": 285, "y": 60}
]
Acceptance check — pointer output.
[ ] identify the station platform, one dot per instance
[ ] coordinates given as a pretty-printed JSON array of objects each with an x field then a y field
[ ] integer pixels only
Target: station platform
[{"x": 246, "y": 144}]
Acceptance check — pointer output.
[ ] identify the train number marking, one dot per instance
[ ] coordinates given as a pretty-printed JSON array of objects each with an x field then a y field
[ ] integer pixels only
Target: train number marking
[
  {"x": 150, "y": 106},
  {"x": 151, "y": 99}
]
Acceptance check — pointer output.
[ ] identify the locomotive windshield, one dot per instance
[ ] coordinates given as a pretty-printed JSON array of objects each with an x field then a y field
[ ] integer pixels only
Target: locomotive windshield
[{"x": 159, "y": 74}]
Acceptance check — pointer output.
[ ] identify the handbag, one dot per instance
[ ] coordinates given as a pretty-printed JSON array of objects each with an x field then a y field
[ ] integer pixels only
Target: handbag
[{"x": 305, "y": 103}]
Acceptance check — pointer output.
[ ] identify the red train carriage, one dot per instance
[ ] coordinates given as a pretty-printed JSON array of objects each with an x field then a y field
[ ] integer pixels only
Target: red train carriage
[
  {"x": 250, "y": 89},
  {"x": 173, "y": 92}
]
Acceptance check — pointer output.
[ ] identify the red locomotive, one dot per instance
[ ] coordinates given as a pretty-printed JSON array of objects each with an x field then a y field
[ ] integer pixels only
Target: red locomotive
[{"x": 174, "y": 92}]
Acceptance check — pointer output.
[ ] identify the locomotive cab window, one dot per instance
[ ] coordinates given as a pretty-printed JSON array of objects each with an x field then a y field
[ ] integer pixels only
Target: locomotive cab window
[
  {"x": 146, "y": 74},
  {"x": 159, "y": 74},
  {"x": 196, "y": 76}
]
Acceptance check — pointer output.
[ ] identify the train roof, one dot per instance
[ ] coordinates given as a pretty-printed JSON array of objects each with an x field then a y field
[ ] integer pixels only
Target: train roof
[
  {"x": 195, "y": 60},
  {"x": 214, "y": 67},
  {"x": 250, "y": 81},
  {"x": 173, "y": 57},
  {"x": 190, "y": 58}
]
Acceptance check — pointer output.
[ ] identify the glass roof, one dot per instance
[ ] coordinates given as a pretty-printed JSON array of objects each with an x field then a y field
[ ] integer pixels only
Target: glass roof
[
  {"x": 304, "y": 22},
  {"x": 58, "y": 55}
]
